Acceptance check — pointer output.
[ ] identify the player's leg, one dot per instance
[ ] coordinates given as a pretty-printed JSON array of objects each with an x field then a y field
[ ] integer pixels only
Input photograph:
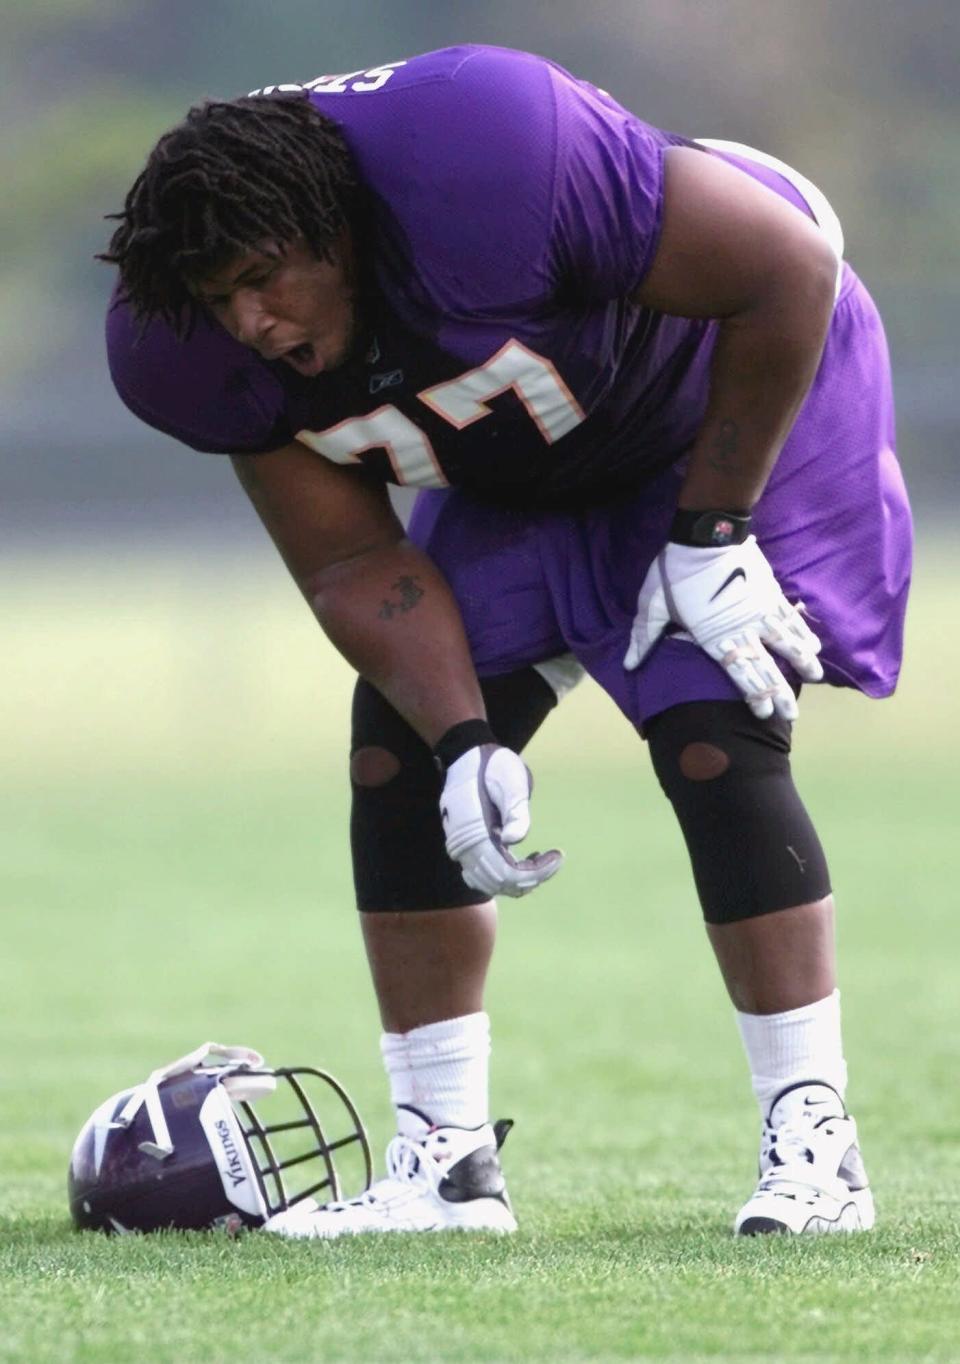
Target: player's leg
[
  {"x": 764, "y": 888},
  {"x": 778, "y": 961},
  {"x": 429, "y": 937},
  {"x": 841, "y": 544},
  {"x": 429, "y": 940},
  {"x": 753, "y": 849},
  {"x": 760, "y": 871}
]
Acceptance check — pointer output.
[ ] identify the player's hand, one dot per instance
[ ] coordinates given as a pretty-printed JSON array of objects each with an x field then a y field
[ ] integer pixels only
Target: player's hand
[
  {"x": 733, "y": 606},
  {"x": 485, "y": 807}
]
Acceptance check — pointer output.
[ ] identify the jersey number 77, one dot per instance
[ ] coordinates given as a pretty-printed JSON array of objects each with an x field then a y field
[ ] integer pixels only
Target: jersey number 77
[{"x": 461, "y": 402}]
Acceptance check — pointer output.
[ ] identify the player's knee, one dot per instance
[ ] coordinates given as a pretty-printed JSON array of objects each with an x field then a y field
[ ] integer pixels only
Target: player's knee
[
  {"x": 700, "y": 761},
  {"x": 373, "y": 766},
  {"x": 752, "y": 845},
  {"x": 703, "y": 741},
  {"x": 399, "y": 857}
]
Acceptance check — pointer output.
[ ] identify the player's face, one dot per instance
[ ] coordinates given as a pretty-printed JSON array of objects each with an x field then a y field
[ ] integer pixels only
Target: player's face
[{"x": 290, "y": 306}]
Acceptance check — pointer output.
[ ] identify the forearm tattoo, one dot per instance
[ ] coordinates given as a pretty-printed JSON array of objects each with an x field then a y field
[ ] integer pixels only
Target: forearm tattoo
[
  {"x": 408, "y": 591},
  {"x": 724, "y": 449}
]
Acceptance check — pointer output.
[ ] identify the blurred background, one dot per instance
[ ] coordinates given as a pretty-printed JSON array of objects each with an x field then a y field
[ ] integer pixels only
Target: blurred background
[{"x": 173, "y": 723}]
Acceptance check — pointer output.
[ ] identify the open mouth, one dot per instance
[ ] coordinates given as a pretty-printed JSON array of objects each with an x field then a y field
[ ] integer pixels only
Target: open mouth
[{"x": 303, "y": 359}]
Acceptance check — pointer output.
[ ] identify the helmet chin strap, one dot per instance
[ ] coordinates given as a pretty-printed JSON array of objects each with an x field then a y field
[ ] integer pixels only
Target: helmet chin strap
[
  {"x": 210, "y": 1055},
  {"x": 214, "y": 1054}
]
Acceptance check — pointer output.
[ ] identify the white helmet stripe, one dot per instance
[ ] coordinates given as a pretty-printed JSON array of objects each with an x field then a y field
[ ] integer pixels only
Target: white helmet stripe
[{"x": 146, "y": 1094}]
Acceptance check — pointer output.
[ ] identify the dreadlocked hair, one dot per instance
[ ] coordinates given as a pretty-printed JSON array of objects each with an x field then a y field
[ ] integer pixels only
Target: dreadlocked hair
[{"x": 246, "y": 175}]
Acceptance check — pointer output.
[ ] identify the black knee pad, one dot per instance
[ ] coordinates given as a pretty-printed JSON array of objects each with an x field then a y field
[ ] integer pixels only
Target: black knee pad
[
  {"x": 396, "y": 837},
  {"x": 727, "y": 774}
]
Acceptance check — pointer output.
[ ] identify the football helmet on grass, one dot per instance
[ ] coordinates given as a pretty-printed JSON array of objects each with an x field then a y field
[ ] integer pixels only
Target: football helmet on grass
[{"x": 187, "y": 1149}]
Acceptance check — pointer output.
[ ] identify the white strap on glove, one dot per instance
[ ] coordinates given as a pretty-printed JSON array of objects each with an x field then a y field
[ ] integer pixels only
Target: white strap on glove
[
  {"x": 733, "y": 606},
  {"x": 485, "y": 808}
]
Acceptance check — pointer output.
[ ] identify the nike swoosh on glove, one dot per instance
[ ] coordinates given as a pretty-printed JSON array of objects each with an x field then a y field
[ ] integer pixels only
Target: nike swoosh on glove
[
  {"x": 733, "y": 606},
  {"x": 485, "y": 807}
]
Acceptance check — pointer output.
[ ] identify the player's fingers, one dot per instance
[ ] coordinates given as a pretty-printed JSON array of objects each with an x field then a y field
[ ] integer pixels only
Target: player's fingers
[
  {"x": 810, "y": 669},
  {"x": 805, "y": 663},
  {"x": 509, "y": 783},
  {"x": 516, "y": 824},
  {"x": 488, "y": 869},
  {"x": 754, "y": 673},
  {"x": 785, "y": 704},
  {"x": 483, "y": 869},
  {"x": 776, "y": 689},
  {"x": 798, "y": 629},
  {"x": 789, "y": 635},
  {"x": 539, "y": 867},
  {"x": 525, "y": 876}
]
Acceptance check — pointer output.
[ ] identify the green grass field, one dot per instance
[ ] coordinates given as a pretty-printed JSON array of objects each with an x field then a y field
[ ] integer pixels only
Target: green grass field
[{"x": 174, "y": 869}]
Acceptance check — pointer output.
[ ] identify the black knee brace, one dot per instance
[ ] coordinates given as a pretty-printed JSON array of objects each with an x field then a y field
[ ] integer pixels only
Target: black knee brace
[
  {"x": 399, "y": 858},
  {"x": 751, "y": 842}
]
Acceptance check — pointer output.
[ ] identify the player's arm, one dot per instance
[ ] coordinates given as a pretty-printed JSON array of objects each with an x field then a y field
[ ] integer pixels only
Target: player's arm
[
  {"x": 381, "y": 601},
  {"x": 731, "y": 249},
  {"x": 390, "y": 613}
]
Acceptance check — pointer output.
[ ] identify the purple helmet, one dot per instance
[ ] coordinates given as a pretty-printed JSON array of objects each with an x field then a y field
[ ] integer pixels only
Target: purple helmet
[{"x": 186, "y": 1148}]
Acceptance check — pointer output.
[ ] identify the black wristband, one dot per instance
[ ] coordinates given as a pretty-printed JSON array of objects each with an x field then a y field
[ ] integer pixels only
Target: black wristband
[
  {"x": 709, "y": 529},
  {"x": 459, "y": 739}
]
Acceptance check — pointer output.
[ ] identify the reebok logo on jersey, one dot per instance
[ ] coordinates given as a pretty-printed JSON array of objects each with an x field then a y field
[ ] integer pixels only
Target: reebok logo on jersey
[
  {"x": 737, "y": 573},
  {"x": 390, "y": 379}
]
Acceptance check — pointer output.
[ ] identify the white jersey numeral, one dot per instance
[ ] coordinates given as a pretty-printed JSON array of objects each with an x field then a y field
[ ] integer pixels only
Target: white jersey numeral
[
  {"x": 534, "y": 380},
  {"x": 460, "y": 402},
  {"x": 408, "y": 448}
]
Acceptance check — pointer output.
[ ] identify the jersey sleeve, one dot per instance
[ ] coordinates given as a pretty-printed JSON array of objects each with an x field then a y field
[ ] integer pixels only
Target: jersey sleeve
[
  {"x": 608, "y": 203},
  {"x": 205, "y": 390}
]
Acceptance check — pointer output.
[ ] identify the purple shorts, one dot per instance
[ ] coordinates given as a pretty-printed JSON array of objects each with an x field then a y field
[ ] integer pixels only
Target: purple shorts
[{"x": 834, "y": 522}]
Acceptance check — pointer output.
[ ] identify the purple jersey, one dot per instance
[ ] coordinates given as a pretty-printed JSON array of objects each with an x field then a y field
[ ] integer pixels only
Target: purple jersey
[{"x": 515, "y": 210}]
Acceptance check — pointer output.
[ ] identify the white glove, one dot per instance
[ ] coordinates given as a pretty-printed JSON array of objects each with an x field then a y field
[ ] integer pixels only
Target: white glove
[
  {"x": 731, "y": 603},
  {"x": 485, "y": 806}
]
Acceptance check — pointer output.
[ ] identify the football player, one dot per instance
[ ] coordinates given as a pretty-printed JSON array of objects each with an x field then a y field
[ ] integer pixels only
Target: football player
[{"x": 651, "y": 410}]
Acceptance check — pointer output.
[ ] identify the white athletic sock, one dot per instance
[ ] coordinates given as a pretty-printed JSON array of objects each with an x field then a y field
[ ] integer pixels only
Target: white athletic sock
[
  {"x": 788, "y": 1048},
  {"x": 442, "y": 1069}
]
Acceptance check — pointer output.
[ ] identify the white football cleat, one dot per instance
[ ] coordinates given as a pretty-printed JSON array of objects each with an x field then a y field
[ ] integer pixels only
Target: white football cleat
[
  {"x": 811, "y": 1173},
  {"x": 438, "y": 1179}
]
